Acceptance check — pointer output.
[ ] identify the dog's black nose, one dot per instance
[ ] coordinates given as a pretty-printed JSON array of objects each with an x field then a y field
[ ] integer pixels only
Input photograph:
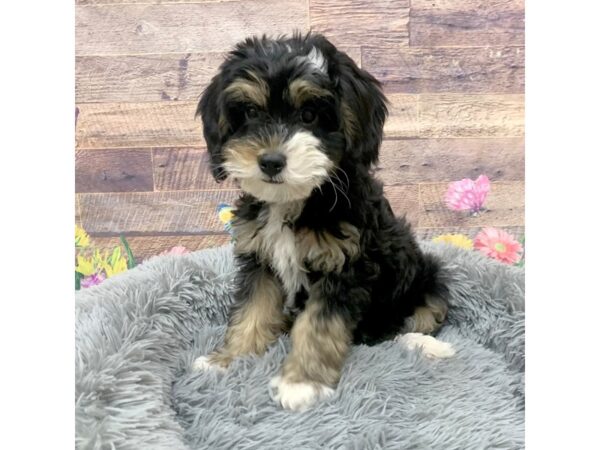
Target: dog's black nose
[{"x": 271, "y": 163}]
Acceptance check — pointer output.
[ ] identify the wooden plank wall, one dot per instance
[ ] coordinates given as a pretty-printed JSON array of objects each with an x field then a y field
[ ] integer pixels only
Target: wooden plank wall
[{"x": 452, "y": 69}]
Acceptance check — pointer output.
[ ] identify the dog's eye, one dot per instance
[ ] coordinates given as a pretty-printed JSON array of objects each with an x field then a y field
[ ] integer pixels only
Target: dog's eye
[
  {"x": 308, "y": 115},
  {"x": 251, "y": 113}
]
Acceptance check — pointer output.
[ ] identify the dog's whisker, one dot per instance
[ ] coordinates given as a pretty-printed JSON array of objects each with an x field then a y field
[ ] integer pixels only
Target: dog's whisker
[
  {"x": 338, "y": 168},
  {"x": 344, "y": 194},
  {"x": 339, "y": 188},
  {"x": 335, "y": 193}
]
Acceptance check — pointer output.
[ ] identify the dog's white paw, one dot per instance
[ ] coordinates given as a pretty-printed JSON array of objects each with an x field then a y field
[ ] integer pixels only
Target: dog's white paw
[
  {"x": 203, "y": 364},
  {"x": 431, "y": 347},
  {"x": 298, "y": 396}
]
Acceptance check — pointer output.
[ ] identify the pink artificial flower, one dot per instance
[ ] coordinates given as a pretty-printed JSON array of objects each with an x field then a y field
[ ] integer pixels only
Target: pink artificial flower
[
  {"x": 467, "y": 195},
  {"x": 177, "y": 250},
  {"x": 92, "y": 280},
  {"x": 499, "y": 244}
]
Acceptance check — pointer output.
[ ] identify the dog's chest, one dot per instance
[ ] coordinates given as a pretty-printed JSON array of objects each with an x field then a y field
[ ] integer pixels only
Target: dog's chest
[{"x": 272, "y": 238}]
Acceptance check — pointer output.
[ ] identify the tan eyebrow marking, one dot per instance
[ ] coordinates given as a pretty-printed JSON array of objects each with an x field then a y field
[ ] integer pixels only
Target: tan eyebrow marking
[
  {"x": 302, "y": 90},
  {"x": 255, "y": 90}
]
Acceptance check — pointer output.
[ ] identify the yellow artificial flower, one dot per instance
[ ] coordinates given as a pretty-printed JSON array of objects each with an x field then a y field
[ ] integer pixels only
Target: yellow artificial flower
[
  {"x": 226, "y": 215},
  {"x": 82, "y": 239},
  {"x": 98, "y": 259},
  {"x": 115, "y": 263},
  {"x": 85, "y": 266},
  {"x": 458, "y": 240}
]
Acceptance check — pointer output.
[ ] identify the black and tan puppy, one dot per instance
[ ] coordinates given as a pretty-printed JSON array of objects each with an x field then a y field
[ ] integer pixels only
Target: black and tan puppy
[{"x": 299, "y": 126}]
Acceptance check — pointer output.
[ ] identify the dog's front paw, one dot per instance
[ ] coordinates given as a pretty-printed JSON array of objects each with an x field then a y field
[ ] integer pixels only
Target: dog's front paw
[
  {"x": 298, "y": 396},
  {"x": 214, "y": 361}
]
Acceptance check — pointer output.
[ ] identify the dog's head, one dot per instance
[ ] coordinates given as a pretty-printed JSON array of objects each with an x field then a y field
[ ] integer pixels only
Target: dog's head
[{"x": 283, "y": 114}]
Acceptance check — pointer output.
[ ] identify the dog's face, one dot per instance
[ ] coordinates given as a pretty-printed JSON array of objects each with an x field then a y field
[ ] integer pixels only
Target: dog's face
[{"x": 283, "y": 115}]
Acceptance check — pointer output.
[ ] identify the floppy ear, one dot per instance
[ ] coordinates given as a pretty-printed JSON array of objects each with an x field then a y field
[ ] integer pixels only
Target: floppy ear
[
  {"x": 214, "y": 125},
  {"x": 363, "y": 110}
]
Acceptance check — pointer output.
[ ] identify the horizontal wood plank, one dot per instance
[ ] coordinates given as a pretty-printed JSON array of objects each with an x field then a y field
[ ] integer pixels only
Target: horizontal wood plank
[
  {"x": 168, "y": 124},
  {"x": 144, "y": 78},
  {"x": 185, "y": 168},
  {"x": 476, "y": 23},
  {"x": 113, "y": 170},
  {"x": 406, "y": 161},
  {"x": 470, "y": 70},
  {"x": 145, "y": 247},
  {"x": 469, "y": 5},
  {"x": 505, "y": 207},
  {"x": 152, "y": 124},
  {"x": 404, "y": 200},
  {"x": 364, "y": 22},
  {"x": 448, "y": 115},
  {"x": 518, "y": 232},
  {"x": 455, "y": 115},
  {"x": 403, "y": 118},
  {"x": 182, "y": 27},
  {"x": 149, "y": 2},
  {"x": 150, "y": 78},
  {"x": 185, "y": 212}
]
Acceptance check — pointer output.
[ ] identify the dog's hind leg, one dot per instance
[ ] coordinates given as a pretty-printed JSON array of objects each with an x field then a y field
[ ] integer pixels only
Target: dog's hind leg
[{"x": 425, "y": 321}]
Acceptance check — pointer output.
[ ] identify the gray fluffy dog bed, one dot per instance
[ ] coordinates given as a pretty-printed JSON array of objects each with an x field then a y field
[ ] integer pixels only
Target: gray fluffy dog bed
[{"x": 137, "y": 335}]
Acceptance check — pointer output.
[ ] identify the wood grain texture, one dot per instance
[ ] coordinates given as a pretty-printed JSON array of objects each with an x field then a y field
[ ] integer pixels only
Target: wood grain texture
[
  {"x": 185, "y": 168},
  {"x": 182, "y": 27},
  {"x": 403, "y": 118},
  {"x": 150, "y": 78},
  {"x": 505, "y": 207},
  {"x": 404, "y": 200},
  {"x": 77, "y": 211},
  {"x": 185, "y": 212},
  {"x": 407, "y": 161},
  {"x": 455, "y": 115},
  {"x": 470, "y": 70},
  {"x": 167, "y": 124},
  {"x": 476, "y": 23},
  {"x": 456, "y": 107},
  {"x": 113, "y": 170},
  {"x": 448, "y": 115},
  {"x": 152, "y": 124},
  {"x": 144, "y": 78},
  {"x": 149, "y": 2},
  {"x": 364, "y": 22},
  {"x": 144, "y": 247}
]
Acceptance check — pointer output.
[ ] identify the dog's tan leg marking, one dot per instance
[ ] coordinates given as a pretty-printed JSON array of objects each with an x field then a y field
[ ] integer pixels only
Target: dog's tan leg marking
[
  {"x": 253, "y": 326},
  {"x": 320, "y": 343},
  {"x": 427, "y": 319},
  {"x": 321, "y": 251}
]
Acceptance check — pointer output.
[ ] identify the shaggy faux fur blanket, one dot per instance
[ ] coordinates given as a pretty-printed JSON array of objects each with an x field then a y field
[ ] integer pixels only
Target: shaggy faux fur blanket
[{"x": 137, "y": 335}]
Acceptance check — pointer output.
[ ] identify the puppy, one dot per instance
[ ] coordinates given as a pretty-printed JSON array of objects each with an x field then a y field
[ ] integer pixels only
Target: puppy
[{"x": 299, "y": 126}]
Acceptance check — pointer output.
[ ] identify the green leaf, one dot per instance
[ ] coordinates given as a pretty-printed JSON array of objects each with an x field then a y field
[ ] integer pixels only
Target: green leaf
[
  {"x": 130, "y": 258},
  {"x": 78, "y": 277},
  {"x": 115, "y": 256}
]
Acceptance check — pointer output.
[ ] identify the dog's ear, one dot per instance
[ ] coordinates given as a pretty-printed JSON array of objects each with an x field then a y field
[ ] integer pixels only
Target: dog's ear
[
  {"x": 363, "y": 109},
  {"x": 214, "y": 125}
]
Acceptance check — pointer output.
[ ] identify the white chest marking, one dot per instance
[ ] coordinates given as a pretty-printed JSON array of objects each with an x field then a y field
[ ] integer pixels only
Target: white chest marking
[
  {"x": 275, "y": 243},
  {"x": 279, "y": 245}
]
